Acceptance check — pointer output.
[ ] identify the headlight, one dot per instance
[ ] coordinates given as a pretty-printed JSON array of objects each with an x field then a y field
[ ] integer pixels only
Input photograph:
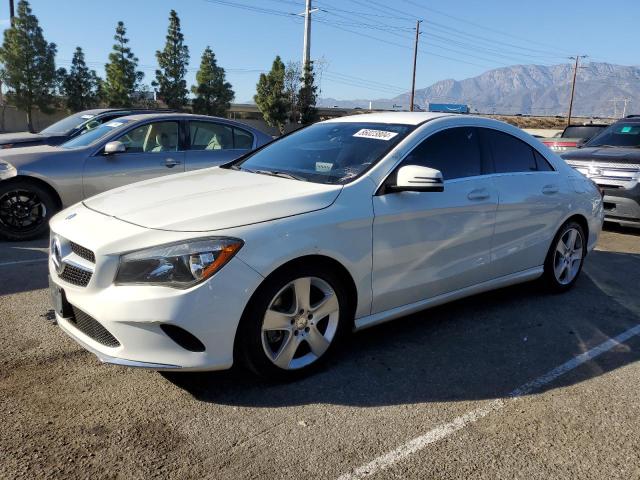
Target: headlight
[
  {"x": 177, "y": 265},
  {"x": 7, "y": 170}
]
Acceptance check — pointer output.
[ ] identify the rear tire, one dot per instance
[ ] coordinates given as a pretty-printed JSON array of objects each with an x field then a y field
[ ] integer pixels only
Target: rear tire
[
  {"x": 25, "y": 210},
  {"x": 565, "y": 258},
  {"x": 294, "y": 322}
]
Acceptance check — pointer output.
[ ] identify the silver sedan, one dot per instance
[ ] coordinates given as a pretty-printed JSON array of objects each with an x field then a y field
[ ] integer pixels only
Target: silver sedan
[{"x": 36, "y": 182}]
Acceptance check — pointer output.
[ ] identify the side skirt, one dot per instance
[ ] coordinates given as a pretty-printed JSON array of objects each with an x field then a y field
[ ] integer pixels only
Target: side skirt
[{"x": 512, "y": 279}]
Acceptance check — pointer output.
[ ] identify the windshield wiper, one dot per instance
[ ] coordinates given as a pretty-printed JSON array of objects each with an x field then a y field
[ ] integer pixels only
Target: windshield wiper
[{"x": 274, "y": 173}]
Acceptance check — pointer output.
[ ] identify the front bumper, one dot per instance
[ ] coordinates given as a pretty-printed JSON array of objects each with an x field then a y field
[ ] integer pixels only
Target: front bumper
[
  {"x": 133, "y": 314},
  {"x": 622, "y": 205}
]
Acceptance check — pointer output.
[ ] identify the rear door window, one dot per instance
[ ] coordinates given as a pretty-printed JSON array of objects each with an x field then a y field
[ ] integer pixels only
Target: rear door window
[
  {"x": 541, "y": 162},
  {"x": 510, "y": 154},
  {"x": 242, "y": 139},
  {"x": 210, "y": 136}
]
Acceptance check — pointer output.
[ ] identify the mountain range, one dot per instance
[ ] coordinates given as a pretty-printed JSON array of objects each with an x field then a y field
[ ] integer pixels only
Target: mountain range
[{"x": 601, "y": 90}]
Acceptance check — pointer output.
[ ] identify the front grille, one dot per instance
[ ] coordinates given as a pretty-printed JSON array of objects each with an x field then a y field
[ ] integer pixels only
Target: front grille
[
  {"x": 92, "y": 328},
  {"x": 603, "y": 172},
  {"x": 83, "y": 252},
  {"x": 600, "y": 164},
  {"x": 75, "y": 276}
]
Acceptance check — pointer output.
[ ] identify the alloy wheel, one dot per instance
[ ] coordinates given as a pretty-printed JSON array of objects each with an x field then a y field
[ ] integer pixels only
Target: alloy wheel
[
  {"x": 21, "y": 210},
  {"x": 300, "y": 323},
  {"x": 568, "y": 256}
]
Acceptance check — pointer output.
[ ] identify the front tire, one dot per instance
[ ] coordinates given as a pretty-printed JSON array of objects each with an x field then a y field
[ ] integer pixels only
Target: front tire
[
  {"x": 25, "y": 210},
  {"x": 293, "y": 322},
  {"x": 565, "y": 258}
]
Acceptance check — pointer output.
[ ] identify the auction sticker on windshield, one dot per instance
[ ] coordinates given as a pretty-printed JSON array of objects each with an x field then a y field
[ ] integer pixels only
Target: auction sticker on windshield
[
  {"x": 114, "y": 124},
  {"x": 377, "y": 134},
  {"x": 323, "y": 166}
]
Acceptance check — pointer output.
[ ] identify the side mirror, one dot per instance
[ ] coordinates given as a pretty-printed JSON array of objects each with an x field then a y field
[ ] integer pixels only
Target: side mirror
[
  {"x": 414, "y": 178},
  {"x": 114, "y": 147}
]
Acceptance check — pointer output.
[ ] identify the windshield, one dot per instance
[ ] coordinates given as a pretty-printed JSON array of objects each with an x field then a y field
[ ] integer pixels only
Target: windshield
[
  {"x": 90, "y": 136},
  {"x": 68, "y": 124},
  {"x": 581, "y": 131},
  {"x": 327, "y": 152},
  {"x": 618, "y": 135}
]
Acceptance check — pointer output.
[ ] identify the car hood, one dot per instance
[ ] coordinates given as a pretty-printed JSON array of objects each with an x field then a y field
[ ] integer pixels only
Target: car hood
[
  {"x": 559, "y": 140},
  {"x": 212, "y": 199},
  {"x": 19, "y": 137},
  {"x": 604, "y": 154},
  {"x": 23, "y": 157}
]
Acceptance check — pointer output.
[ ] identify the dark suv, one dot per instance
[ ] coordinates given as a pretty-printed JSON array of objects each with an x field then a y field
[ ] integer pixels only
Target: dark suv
[
  {"x": 69, "y": 127},
  {"x": 612, "y": 160}
]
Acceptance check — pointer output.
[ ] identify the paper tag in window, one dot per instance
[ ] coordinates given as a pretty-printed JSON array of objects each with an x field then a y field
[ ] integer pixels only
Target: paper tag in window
[
  {"x": 87, "y": 116},
  {"x": 114, "y": 124},
  {"x": 377, "y": 134},
  {"x": 323, "y": 166}
]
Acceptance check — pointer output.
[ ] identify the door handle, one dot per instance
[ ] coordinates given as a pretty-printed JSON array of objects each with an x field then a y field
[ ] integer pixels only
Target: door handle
[
  {"x": 170, "y": 163},
  {"x": 550, "y": 189},
  {"x": 478, "y": 194}
]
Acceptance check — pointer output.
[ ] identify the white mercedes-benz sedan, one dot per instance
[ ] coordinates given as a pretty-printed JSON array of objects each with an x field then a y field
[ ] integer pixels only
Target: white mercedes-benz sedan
[{"x": 271, "y": 259}]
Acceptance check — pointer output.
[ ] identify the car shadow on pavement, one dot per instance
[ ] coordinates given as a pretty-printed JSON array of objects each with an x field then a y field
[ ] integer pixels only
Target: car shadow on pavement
[
  {"x": 617, "y": 228},
  {"x": 481, "y": 347},
  {"x": 23, "y": 266}
]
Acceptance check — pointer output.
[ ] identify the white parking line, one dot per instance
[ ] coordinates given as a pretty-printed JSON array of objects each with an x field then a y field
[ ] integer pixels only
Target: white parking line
[
  {"x": 18, "y": 262},
  {"x": 443, "y": 431}
]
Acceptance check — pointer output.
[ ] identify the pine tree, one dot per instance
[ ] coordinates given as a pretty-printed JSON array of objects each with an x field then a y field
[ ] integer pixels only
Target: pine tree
[
  {"x": 271, "y": 97},
  {"x": 173, "y": 61},
  {"x": 81, "y": 86},
  {"x": 307, "y": 96},
  {"x": 213, "y": 93},
  {"x": 28, "y": 64},
  {"x": 122, "y": 79}
]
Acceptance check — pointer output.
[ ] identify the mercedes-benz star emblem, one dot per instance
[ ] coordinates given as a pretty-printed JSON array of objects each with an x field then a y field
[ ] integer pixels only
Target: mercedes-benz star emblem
[{"x": 56, "y": 255}]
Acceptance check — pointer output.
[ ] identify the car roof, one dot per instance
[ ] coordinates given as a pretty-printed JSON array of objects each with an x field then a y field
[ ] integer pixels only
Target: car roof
[
  {"x": 402, "y": 118},
  {"x": 189, "y": 116},
  {"x": 100, "y": 111}
]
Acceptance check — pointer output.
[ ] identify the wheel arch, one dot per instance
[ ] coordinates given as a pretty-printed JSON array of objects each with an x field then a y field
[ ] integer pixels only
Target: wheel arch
[
  {"x": 41, "y": 183},
  {"x": 583, "y": 222},
  {"x": 313, "y": 259}
]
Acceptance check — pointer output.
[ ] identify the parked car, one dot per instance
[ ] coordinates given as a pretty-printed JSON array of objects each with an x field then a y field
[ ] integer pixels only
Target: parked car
[
  {"x": 36, "y": 182},
  {"x": 543, "y": 132},
  {"x": 612, "y": 160},
  {"x": 573, "y": 136},
  {"x": 68, "y": 127},
  {"x": 269, "y": 260}
]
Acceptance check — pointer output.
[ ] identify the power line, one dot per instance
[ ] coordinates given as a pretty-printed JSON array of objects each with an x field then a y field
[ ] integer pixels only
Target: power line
[{"x": 483, "y": 27}]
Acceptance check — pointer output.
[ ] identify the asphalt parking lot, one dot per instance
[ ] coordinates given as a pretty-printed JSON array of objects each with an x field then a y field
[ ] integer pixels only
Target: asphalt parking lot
[{"x": 511, "y": 384}]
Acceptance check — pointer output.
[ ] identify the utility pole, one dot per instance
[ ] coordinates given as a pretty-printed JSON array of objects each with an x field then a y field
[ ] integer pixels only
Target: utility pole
[
  {"x": 624, "y": 112},
  {"x": 11, "y": 11},
  {"x": 306, "y": 47},
  {"x": 415, "y": 61},
  {"x": 573, "y": 85}
]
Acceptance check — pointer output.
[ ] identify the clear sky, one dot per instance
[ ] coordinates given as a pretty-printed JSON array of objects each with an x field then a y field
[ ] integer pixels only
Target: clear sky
[{"x": 461, "y": 38}]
